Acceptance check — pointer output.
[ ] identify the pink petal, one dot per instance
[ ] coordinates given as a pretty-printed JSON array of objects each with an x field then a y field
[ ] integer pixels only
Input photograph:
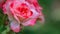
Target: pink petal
[
  {"x": 31, "y": 22},
  {"x": 15, "y": 26},
  {"x": 1, "y": 3},
  {"x": 42, "y": 20}
]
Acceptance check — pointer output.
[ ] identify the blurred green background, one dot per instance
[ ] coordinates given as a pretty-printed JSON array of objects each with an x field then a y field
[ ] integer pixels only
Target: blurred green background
[{"x": 51, "y": 25}]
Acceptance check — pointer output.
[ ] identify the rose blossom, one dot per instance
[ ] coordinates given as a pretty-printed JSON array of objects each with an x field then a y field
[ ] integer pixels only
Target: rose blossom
[{"x": 22, "y": 13}]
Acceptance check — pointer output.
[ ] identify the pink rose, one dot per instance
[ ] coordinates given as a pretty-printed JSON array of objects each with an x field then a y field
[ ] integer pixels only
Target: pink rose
[{"x": 22, "y": 12}]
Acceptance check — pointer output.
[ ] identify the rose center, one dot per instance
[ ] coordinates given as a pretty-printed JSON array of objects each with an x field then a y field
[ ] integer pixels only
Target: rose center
[{"x": 24, "y": 11}]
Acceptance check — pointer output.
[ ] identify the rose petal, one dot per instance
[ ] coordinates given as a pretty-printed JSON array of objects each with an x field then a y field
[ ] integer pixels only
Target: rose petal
[
  {"x": 1, "y": 3},
  {"x": 30, "y": 22},
  {"x": 42, "y": 20},
  {"x": 15, "y": 26}
]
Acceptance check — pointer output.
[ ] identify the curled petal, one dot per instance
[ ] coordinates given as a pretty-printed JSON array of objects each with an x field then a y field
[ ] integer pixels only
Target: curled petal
[
  {"x": 42, "y": 20},
  {"x": 35, "y": 13},
  {"x": 30, "y": 22},
  {"x": 15, "y": 26}
]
